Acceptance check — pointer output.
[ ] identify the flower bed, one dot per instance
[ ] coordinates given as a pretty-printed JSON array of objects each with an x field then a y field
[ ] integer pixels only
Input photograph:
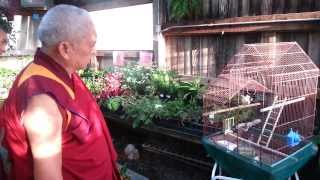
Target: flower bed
[{"x": 144, "y": 96}]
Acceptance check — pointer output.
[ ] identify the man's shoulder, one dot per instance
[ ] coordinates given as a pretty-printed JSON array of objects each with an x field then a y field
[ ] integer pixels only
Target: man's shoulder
[{"x": 41, "y": 105}]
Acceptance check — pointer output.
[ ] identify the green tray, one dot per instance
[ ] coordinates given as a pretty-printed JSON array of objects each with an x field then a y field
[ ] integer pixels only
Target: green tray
[{"x": 240, "y": 166}]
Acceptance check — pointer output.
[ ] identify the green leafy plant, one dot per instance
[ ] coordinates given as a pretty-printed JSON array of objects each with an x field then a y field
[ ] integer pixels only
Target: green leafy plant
[
  {"x": 163, "y": 82},
  {"x": 142, "y": 104},
  {"x": 190, "y": 91},
  {"x": 184, "y": 9},
  {"x": 173, "y": 109},
  {"x": 113, "y": 103},
  {"x": 93, "y": 79},
  {"x": 181, "y": 110},
  {"x": 7, "y": 72},
  {"x": 142, "y": 110},
  {"x": 7, "y": 77},
  {"x": 137, "y": 79}
]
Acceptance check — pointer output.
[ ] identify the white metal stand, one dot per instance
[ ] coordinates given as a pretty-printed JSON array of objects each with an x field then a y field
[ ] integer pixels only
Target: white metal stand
[
  {"x": 219, "y": 176},
  {"x": 295, "y": 175}
]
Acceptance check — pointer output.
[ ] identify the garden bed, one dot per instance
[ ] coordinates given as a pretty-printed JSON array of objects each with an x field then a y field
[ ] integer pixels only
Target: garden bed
[{"x": 162, "y": 127}]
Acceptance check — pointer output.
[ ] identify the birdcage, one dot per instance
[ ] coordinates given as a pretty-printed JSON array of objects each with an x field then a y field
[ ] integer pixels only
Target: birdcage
[{"x": 259, "y": 112}]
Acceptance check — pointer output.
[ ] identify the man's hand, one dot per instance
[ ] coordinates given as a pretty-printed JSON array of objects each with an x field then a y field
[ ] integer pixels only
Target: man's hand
[{"x": 43, "y": 123}]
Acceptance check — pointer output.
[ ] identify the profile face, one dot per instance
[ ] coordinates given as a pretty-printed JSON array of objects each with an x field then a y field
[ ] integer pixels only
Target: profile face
[
  {"x": 3, "y": 41},
  {"x": 85, "y": 49}
]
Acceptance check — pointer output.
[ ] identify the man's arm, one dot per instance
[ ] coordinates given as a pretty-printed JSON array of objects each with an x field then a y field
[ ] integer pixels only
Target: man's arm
[{"x": 43, "y": 123}]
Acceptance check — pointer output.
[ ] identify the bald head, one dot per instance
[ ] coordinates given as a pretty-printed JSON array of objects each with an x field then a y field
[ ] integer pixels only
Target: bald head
[{"x": 63, "y": 23}]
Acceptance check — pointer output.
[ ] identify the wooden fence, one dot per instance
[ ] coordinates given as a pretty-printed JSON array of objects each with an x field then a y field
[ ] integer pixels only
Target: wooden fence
[
  {"x": 207, "y": 55},
  {"x": 200, "y": 48},
  {"x": 218, "y": 9}
]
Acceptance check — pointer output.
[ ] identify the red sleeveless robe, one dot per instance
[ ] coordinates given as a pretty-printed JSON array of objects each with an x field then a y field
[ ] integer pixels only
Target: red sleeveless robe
[{"x": 87, "y": 149}]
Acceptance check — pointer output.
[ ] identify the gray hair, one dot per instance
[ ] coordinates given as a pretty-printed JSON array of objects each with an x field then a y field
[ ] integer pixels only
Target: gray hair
[{"x": 63, "y": 23}]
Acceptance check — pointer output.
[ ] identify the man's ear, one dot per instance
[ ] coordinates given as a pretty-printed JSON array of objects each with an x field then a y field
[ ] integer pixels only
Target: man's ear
[{"x": 64, "y": 49}]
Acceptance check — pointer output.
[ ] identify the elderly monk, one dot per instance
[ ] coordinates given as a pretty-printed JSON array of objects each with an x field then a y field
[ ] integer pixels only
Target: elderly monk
[{"x": 54, "y": 129}]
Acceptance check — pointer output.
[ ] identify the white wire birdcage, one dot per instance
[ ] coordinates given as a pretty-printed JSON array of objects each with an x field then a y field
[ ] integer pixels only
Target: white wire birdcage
[{"x": 269, "y": 91}]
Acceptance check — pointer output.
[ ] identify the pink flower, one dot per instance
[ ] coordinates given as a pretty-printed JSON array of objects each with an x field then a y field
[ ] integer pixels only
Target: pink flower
[{"x": 112, "y": 86}]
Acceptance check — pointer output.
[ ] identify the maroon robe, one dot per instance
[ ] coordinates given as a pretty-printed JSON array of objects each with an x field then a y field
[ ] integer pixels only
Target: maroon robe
[{"x": 87, "y": 149}]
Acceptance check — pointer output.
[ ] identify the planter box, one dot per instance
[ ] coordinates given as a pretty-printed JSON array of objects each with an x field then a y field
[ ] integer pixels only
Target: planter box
[
  {"x": 187, "y": 127},
  {"x": 190, "y": 132}
]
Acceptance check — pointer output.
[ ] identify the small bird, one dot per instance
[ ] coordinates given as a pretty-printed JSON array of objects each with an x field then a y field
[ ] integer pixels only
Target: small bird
[{"x": 246, "y": 99}]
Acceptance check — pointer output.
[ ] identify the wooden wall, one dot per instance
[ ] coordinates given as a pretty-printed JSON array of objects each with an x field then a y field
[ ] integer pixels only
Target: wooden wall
[
  {"x": 218, "y": 9},
  {"x": 206, "y": 55}
]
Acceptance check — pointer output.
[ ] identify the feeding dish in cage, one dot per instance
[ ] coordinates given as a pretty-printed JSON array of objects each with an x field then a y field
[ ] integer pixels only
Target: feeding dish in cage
[{"x": 267, "y": 89}]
